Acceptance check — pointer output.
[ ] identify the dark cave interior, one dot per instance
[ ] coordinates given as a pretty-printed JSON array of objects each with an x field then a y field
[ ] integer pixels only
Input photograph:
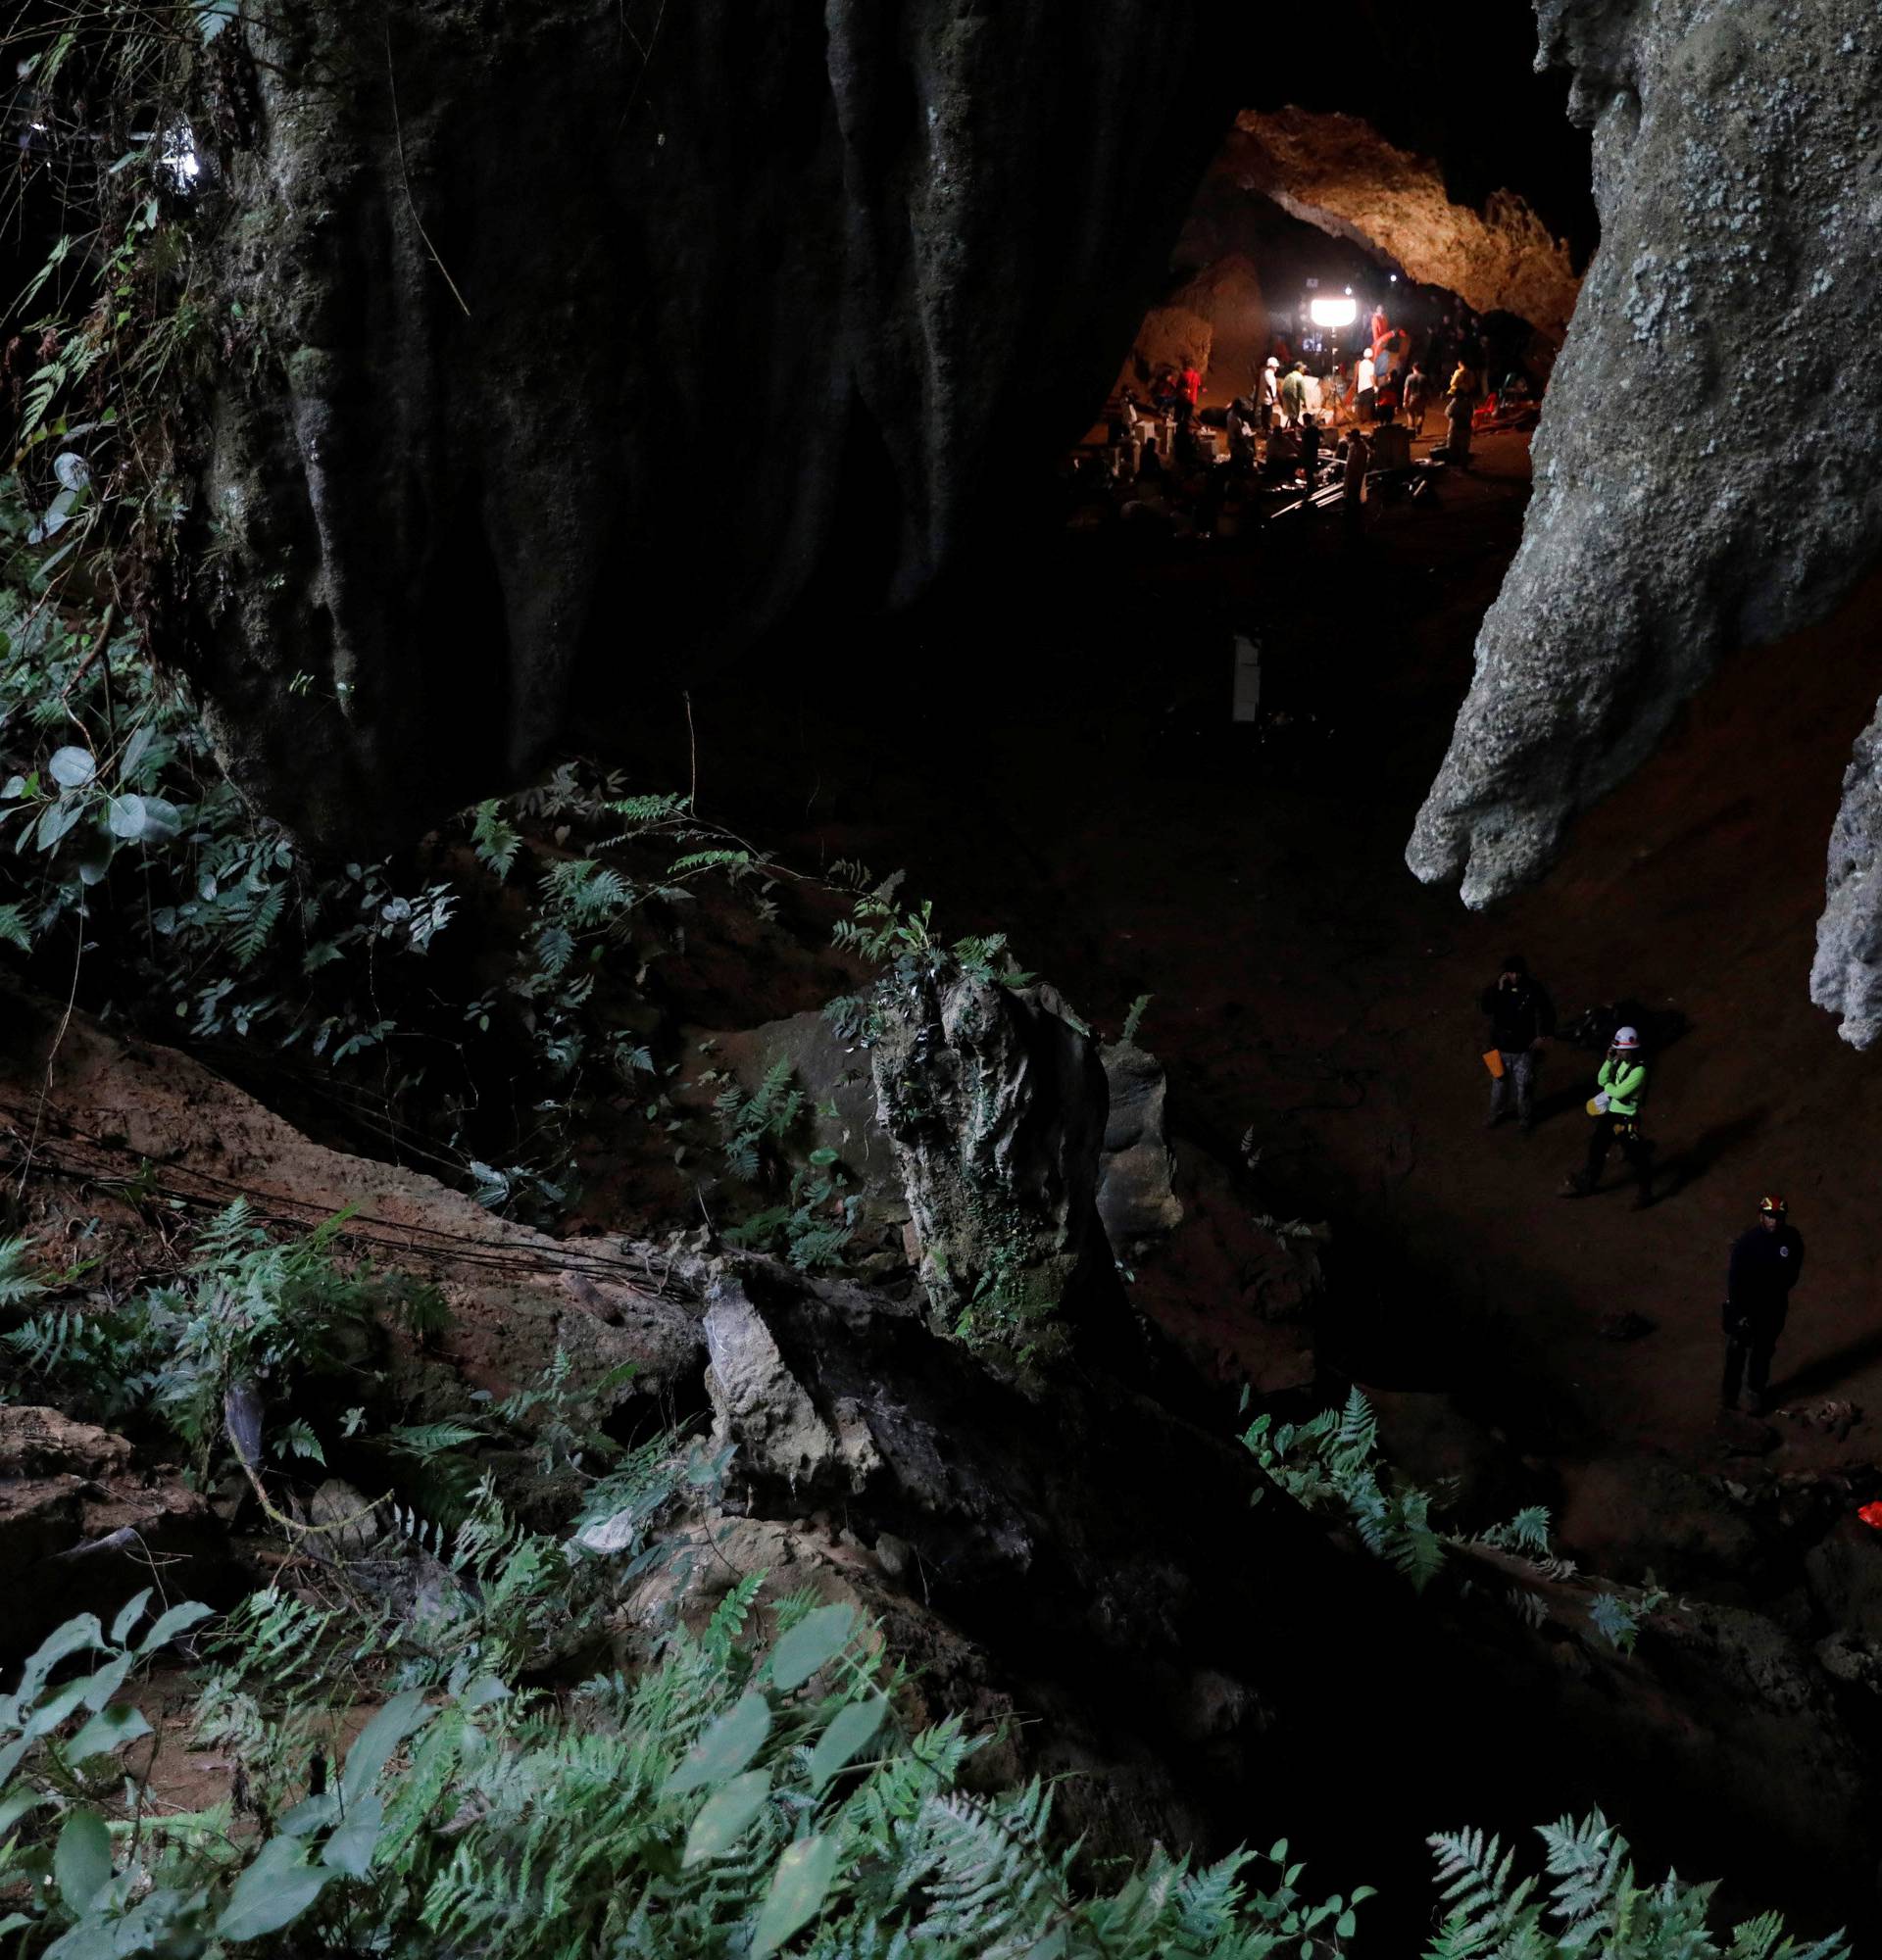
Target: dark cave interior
[{"x": 817, "y": 574}]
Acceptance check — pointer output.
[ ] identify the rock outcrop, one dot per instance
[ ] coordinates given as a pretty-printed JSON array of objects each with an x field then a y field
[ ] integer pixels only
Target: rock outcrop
[
  {"x": 1218, "y": 319},
  {"x": 994, "y": 1103},
  {"x": 1700, "y": 480},
  {"x": 79, "y": 1524},
  {"x": 1339, "y": 174},
  {"x": 567, "y": 338},
  {"x": 1846, "y": 976},
  {"x": 1136, "y": 1192}
]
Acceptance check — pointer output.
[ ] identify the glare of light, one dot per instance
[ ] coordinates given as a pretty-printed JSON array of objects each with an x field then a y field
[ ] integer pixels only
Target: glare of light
[
  {"x": 1332, "y": 312},
  {"x": 179, "y": 158},
  {"x": 1394, "y": 277}
]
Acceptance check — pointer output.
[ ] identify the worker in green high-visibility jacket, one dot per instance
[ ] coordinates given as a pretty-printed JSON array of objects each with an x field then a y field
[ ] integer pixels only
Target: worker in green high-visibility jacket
[{"x": 1615, "y": 1108}]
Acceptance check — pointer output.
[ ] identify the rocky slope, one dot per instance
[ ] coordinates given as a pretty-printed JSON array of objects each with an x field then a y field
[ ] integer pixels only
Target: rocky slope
[
  {"x": 1703, "y": 478},
  {"x": 1074, "y": 1542}
]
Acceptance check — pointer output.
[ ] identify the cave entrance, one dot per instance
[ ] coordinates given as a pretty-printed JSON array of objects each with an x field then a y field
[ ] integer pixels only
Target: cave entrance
[{"x": 1316, "y": 247}]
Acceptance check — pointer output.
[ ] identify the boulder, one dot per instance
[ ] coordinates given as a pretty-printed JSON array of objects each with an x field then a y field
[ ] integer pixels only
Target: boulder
[
  {"x": 1136, "y": 1192},
  {"x": 760, "y": 1405},
  {"x": 1844, "y": 1574},
  {"x": 40, "y": 1443},
  {"x": 994, "y": 1103},
  {"x": 79, "y": 1526}
]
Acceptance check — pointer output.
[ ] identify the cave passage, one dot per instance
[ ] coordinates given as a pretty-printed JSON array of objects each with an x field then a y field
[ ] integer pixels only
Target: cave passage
[{"x": 1286, "y": 331}]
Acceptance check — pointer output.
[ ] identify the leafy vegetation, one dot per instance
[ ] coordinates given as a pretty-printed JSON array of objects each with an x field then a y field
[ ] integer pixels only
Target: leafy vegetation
[
  {"x": 902, "y": 943},
  {"x": 1332, "y": 1463},
  {"x": 732, "y": 1799},
  {"x": 816, "y": 1220},
  {"x": 1597, "y": 1905}
]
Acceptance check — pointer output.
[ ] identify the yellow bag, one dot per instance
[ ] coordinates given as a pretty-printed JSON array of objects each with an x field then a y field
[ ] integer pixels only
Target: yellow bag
[{"x": 1493, "y": 1061}]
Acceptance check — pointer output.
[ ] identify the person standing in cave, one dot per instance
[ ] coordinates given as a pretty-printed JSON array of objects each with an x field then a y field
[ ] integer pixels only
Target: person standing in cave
[
  {"x": 1310, "y": 453},
  {"x": 1363, "y": 378},
  {"x": 1417, "y": 393},
  {"x": 1358, "y": 462},
  {"x": 1391, "y": 442},
  {"x": 1620, "y": 1086},
  {"x": 1269, "y": 394},
  {"x": 1189, "y": 399},
  {"x": 1294, "y": 394},
  {"x": 1765, "y": 1265},
  {"x": 1522, "y": 1023},
  {"x": 1460, "y": 401}
]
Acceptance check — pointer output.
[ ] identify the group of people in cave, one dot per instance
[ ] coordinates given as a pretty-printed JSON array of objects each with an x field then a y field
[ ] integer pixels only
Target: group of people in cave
[
  {"x": 1765, "y": 1261},
  {"x": 1292, "y": 441}
]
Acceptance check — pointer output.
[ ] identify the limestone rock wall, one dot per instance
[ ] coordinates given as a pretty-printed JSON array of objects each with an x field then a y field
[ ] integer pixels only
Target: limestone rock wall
[
  {"x": 585, "y": 333},
  {"x": 1339, "y": 174},
  {"x": 1703, "y": 477}
]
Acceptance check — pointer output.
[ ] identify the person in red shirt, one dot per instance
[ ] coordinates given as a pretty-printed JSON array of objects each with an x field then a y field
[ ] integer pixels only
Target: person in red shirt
[{"x": 1189, "y": 398}]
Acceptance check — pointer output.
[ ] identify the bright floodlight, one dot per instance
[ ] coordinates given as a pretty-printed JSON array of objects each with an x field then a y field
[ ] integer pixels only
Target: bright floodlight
[{"x": 1333, "y": 313}]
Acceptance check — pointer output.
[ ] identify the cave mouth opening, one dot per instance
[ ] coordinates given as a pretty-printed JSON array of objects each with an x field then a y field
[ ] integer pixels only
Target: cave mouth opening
[{"x": 1314, "y": 244}]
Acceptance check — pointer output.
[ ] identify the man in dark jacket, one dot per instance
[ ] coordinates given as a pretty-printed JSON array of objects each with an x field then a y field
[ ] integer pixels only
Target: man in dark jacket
[
  {"x": 1764, "y": 1266},
  {"x": 1523, "y": 1017}
]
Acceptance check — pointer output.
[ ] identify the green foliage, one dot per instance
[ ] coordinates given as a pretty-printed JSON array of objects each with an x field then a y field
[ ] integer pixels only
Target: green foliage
[
  {"x": 496, "y": 840},
  {"x": 1134, "y": 1019},
  {"x": 814, "y": 1224},
  {"x": 903, "y": 943},
  {"x": 1618, "y": 1620},
  {"x": 1332, "y": 1463},
  {"x": 813, "y": 1228},
  {"x": 247, "y": 1325},
  {"x": 766, "y": 1117},
  {"x": 1596, "y": 1905},
  {"x": 728, "y": 1802},
  {"x": 20, "y": 1278}
]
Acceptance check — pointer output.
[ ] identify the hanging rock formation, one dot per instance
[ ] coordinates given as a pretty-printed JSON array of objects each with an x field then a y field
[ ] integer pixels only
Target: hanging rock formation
[
  {"x": 516, "y": 289},
  {"x": 1704, "y": 478},
  {"x": 1339, "y": 174}
]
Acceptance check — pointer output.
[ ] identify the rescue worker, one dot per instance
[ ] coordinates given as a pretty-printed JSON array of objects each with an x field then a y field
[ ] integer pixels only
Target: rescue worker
[
  {"x": 1294, "y": 394},
  {"x": 1270, "y": 396},
  {"x": 1418, "y": 394},
  {"x": 1365, "y": 377},
  {"x": 1358, "y": 462},
  {"x": 1619, "y": 1088},
  {"x": 1764, "y": 1266},
  {"x": 1460, "y": 401},
  {"x": 1522, "y": 1019},
  {"x": 1189, "y": 400}
]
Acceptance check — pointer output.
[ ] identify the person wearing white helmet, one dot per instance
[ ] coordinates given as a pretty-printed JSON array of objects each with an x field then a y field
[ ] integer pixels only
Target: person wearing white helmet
[
  {"x": 1615, "y": 1110},
  {"x": 1268, "y": 392}
]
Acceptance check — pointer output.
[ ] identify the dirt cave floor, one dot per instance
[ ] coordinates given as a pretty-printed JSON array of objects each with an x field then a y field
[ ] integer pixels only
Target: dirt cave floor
[{"x": 1051, "y": 755}]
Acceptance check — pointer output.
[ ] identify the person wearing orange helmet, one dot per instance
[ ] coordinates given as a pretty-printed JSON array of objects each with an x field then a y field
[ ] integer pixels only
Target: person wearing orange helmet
[
  {"x": 1764, "y": 1266},
  {"x": 1615, "y": 1108}
]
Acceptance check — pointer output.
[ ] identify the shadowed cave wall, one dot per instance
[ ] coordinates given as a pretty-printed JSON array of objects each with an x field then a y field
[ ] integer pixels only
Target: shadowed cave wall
[{"x": 588, "y": 355}]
